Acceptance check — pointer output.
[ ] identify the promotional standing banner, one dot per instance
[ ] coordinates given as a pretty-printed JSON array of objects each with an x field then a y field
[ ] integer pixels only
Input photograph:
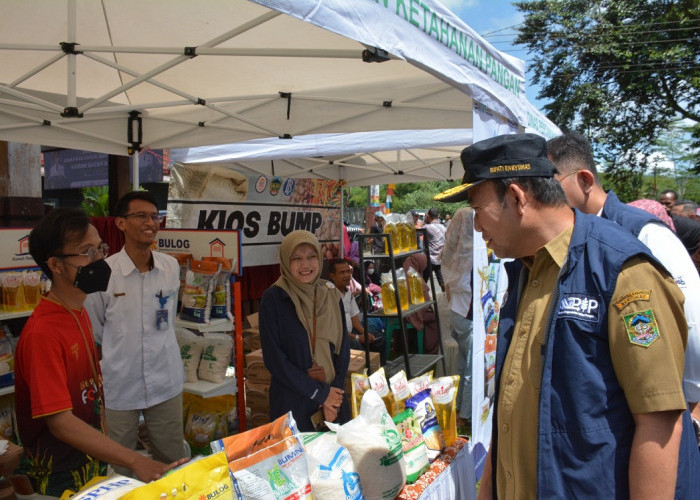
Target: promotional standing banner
[
  {"x": 264, "y": 208},
  {"x": 490, "y": 283}
]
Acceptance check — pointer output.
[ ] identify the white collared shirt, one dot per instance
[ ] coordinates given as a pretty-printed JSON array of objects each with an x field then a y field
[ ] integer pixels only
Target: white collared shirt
[
  {"x": 351, "y": 309},
  {"x": 141, "y": 365},
  {"x": 669, "y": 250}
]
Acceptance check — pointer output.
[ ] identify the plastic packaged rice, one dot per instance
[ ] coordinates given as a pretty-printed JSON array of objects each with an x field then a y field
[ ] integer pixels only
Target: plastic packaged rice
[
  {"x": 375, "y": 446},
  {"x": 331, "y": 469},
  {"x": 191, "y": 346},
  {"x": 268, "y": 461},
  {"x": 221, "y": 300},
  {"x": 200, "y": 280},
  {"x": 104, "y": 488},
  {"x": 216, "y": 356},
  {"x": 206, "y": 419}
]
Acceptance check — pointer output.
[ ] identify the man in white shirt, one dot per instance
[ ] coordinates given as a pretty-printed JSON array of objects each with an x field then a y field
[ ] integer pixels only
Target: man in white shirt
[
  {"x": 134, "y": 321},
  {"x": 578, "y": 177},
  {"x": 436, "y": 240},
  {"x": 340, "y": 273}
]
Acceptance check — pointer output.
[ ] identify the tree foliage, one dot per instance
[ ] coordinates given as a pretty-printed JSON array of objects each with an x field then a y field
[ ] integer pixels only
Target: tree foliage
[{"x": 618, "y": 71}]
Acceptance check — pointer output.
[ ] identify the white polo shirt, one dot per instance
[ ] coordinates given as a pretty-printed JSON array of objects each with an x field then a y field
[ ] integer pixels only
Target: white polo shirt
[
  {"x": 141, "y": 365},
  {"x": 351, "y": 309}
]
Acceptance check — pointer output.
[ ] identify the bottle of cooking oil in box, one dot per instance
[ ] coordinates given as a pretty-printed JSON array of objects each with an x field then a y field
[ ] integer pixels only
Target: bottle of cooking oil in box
[
  {"x": 415, "y": 285},
  {"x": 402, "y": 283},
  {"x": 388, "y": 294}
]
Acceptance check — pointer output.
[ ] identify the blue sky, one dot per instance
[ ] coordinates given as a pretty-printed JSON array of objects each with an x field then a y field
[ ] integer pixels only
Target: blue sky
[{"x": 490, "y": 18}]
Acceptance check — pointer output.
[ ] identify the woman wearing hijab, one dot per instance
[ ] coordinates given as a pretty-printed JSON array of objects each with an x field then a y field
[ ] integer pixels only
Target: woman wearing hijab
[
  {"x": 457, "y": 263},
  {"x": 425, "y": 318},
  {"x": 302, "y": 327}
]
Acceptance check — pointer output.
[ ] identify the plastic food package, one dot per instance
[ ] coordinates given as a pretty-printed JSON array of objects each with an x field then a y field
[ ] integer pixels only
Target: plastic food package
[
  {"x": 375, "y": 446},
  {"x": 444, "y": 393},
  {"x": 191, "y": 346},
  {"x": 420, "y": 383},
  {"x": 203, "y": 477},
  {"x": 182, "y": 260},
  {"x": 206, "y": 419},
  {"x": 360, "y": 385},
  {"x": 105, "y": 488},
  {"x": 399, "y": 389},
  {"x": 425, "y": 415},
  {"x": 415, "y": 452},
  {"x": 200, "y": 280},
  {"x": 378, "y": 383},
  {"x": 268, "y": 461},
  {"x": 7, "y": 358},
  {"x": 331, "y": 469},
  {"x": 221, "y": 301},
  {"x": 216, "y": 355}
]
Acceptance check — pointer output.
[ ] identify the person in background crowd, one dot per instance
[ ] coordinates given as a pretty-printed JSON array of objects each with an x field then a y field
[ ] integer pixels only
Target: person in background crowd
[
  {"x": 371, "y": 275},
  {"x": 134, "y": 320},
  {"x": 457, "y": 265},
  {"x": 578, "y": 177},
  {"x": 448, "y": 219},
  {"x": 435, "y": 233},
  {"x": 377, "y": 242},
  {"x": 654, "y": 208},
  {"x": 303, "y": 339},
  {"x": 417, "y": 223},
  {"x": 58, "y": 381},
  {"x": 340, "y": 273},
  {"x": 685, "y": 208},
  {"x": 668, "y": 198},
  {"x": 423, "y": 319},
  {"x": 589, "y": 361}
]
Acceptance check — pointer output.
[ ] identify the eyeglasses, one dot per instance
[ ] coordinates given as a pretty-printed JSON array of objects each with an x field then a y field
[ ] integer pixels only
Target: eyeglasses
[
  {"x": 568, "y": 175},
  {"x": 143, "y": 217},
  {"x": 93, "y": 254}
]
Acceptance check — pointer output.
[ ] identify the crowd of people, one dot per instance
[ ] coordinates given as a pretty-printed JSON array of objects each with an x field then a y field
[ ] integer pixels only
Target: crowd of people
[{"x": 598, "y": 355}]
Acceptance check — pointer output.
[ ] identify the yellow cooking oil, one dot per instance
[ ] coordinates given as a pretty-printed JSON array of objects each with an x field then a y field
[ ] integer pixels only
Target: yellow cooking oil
[
  {"x": 415, "y": 284},
  {"x": 388, "y": 298},
  {"x": 393, "y": 232},
  {"x": 405, "y": 235},
  {"x": 402, "y": 283}
]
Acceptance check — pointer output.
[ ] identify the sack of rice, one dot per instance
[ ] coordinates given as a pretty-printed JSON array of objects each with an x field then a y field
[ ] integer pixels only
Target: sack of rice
[
  {"x": 200, "y": 280},
  {"x": 216, "y": 355},
  {"x": 415, "y": 453},
  {"x": 375, "y": 446},
  {"x": 104, "y": 488},
  {"x": 268, "y": 461},
  {"x": 221, "y": 302},
  {"x": 331, "y": 469},
  {"x": 191, "y": 346}
]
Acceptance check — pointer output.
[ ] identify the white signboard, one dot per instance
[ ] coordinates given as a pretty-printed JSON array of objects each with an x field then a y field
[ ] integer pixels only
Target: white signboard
[
  {"x": 199, "y": 243},
  {"x": 264, "y": 208}
]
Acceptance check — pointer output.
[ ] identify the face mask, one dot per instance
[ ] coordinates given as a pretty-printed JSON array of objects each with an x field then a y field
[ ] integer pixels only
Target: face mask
[
  {"x": 94, "y": 277},
  {"x": 370, "y": 271}
]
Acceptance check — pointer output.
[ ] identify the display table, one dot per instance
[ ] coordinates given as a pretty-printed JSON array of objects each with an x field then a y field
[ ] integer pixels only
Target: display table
[{"x": 451, "y": 475}]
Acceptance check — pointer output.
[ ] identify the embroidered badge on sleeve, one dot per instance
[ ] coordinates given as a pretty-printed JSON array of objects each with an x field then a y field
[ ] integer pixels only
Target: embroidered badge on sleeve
[
  {"x": 634, "y": 296},
  {"x": 642, "y": 328}
]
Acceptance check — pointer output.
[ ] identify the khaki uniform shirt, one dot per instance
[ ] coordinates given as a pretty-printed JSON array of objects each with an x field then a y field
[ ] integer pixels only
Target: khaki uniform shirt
[{"x": 651, "y": 377}]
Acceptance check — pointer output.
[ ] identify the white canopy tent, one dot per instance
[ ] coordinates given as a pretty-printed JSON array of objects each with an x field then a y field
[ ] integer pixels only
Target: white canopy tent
[
  {"x": 360, "y": 158},
  {"x": 116, "y": 75}
]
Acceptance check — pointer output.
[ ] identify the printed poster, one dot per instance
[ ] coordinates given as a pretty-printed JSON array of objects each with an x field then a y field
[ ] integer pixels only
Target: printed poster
[{"x": 264, "y": 208}]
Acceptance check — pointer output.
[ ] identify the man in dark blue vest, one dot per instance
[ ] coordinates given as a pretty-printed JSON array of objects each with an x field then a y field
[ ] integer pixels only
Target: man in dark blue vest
[
  {"x": 589, "y": 368},
  {"x": 577, "y": 174}
]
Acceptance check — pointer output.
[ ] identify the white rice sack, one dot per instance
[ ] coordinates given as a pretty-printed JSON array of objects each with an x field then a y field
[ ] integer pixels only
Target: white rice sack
[
  {"x": 112, "y": 488},
  {"x": 216, "y": 355},
  {"x": 375, "y": 446},
  {"x": 191, "y": 346},
  {"x": 331, "y": 469}
]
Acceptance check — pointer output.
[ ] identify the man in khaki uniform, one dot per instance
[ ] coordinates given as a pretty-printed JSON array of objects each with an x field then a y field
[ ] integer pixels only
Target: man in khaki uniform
[{"x": 589, "y": 368}]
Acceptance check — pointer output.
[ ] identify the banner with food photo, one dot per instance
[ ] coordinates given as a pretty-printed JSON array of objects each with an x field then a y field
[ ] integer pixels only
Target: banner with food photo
[{"x": 264, "y": 208}]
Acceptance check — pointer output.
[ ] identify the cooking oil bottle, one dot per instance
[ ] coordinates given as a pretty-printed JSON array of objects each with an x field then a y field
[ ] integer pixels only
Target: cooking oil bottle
[
  {"x": 388, "y": 294},
  {"x": 393, "y": 231},
  {"x": 405, "y": 235},
  {"x": 415, "y": 285},
  {"x": 402, "y": 283}
]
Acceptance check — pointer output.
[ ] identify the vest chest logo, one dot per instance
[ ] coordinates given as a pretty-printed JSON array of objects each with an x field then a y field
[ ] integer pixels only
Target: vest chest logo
[
  {"x": 642, "y": 328},
  {"x": 579, "y": 306}
]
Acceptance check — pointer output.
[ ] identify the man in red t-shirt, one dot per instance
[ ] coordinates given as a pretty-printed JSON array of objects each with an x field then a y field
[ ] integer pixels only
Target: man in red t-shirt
[{"x": 58, "y": 383}]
